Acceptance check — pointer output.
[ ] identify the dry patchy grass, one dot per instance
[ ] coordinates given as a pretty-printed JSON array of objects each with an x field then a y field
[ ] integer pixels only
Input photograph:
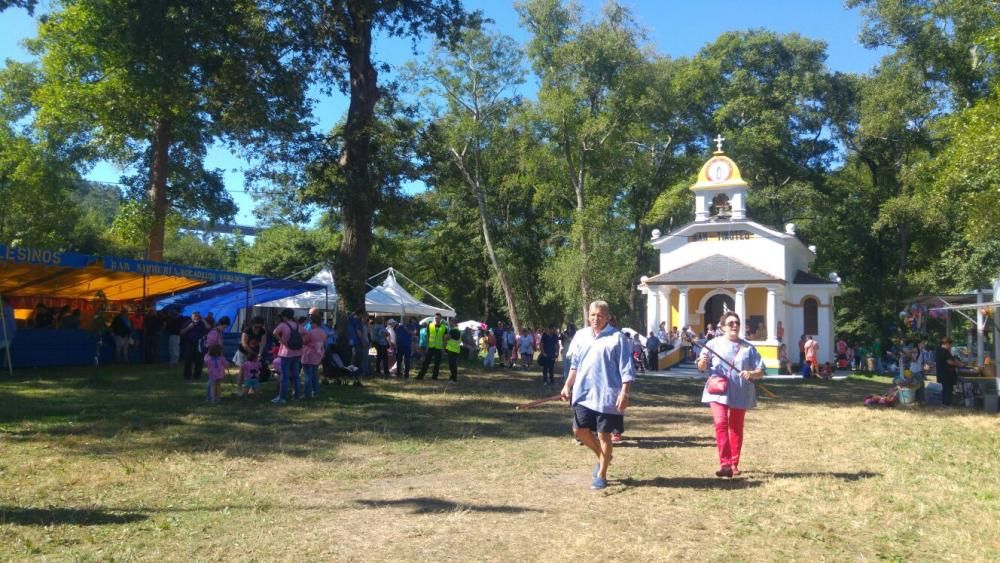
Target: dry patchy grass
[{"x": 129, "y": 464}]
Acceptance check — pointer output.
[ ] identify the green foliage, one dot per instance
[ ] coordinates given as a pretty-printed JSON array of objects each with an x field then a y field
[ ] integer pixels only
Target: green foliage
[
  {"x": 151, "y": 84},
  {"x": 282, "y": 250}
]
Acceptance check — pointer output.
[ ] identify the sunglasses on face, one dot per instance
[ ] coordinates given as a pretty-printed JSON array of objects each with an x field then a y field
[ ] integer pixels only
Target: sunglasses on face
[{"x": 732, "y": 323}]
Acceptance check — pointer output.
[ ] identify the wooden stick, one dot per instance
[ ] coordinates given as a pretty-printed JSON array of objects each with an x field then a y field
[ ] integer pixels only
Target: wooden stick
[
  {"x": 770, "y": 394},
  {"x": 534, "y": 404}
]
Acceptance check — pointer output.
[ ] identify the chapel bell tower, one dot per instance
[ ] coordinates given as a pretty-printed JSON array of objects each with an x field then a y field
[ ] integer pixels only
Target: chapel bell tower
[{"x": 720, "y": 193}]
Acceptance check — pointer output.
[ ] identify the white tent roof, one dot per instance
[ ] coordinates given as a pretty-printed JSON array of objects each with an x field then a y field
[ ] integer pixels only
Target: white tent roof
[
  {"x": 389, "y": 298},
  {"x": 323, "y": 299}
]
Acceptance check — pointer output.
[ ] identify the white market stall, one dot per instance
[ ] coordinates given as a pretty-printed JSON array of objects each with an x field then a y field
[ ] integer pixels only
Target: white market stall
[
  {"x": 325, "y": 299},
  {"x": 390, "y": 299}
]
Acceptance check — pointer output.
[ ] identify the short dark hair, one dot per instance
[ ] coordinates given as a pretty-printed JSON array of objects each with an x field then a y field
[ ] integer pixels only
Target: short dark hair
[
  {"x": 287, "y": 314},
  {"x": 729, "y": 314}
]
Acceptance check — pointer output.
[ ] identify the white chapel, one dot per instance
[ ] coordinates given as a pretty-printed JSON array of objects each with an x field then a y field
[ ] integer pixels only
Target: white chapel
[{"x": 724, "y": 261}]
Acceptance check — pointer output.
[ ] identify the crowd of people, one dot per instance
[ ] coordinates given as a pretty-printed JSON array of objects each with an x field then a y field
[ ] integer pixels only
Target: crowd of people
[{"x": 301, "y": 352}]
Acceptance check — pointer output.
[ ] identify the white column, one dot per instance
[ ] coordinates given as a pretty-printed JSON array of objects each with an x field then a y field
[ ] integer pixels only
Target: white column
[
  {"x": 824, "y": 322},
  {"x": 652, "y": 308},
  {"x": 741, "y": 310},
  {"x": 682, "y": 307},
  {"x": 980, "y": 329},
  {"x": 665, "y": 314},
  {"x": 772, "y": 316}
]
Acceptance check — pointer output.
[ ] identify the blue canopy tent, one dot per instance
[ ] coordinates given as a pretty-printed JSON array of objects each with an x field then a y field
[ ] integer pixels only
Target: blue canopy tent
[{"x": 228, "y": 298}]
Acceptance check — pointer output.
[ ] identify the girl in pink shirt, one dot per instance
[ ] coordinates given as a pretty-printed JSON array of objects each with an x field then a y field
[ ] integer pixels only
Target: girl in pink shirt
[
  {"x": 216, "y": 364},
  {"x": 312, "y": 355}
]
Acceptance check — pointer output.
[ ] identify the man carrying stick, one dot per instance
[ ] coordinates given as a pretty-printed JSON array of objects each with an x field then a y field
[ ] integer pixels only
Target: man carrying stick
[{"x": 598, "y": 386}]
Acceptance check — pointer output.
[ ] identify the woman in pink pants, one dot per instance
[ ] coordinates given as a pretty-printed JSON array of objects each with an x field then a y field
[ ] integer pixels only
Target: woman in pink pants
[{"x": 729, "y": 407}]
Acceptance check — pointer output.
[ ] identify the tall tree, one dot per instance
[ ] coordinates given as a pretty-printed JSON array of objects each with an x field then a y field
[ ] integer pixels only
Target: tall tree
[
  {"x": 152, "y": 83},
  {"x": 946, "y": 40},
  {"x": 474, "y": 80},
  {"x": 341, "y": 34},
  {"x": 766, "y": 94},
  {"x": 589, "y": 75},
  {"x": 37, "y": 177},
  {"x": 26, "y": 4}
]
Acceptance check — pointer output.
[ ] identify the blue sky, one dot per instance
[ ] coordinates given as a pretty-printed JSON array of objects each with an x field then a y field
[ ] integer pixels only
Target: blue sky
[{"x": 678, "y": 28}]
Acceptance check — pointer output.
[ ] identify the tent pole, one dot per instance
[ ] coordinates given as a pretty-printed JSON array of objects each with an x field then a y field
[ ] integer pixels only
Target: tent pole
[
  {"x": 422, "y": 288},
  {"x": 303, "y": 270},
  {"x": 6, "y": 348},
  {"x": 389, "y": 269}
]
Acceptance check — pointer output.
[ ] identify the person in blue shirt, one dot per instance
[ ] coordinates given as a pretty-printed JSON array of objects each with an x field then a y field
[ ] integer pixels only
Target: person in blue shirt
[
  {"x": 729, "y": 407},
  {"x": 404, "y": 347},
  {"x": 598, "y": 386}
]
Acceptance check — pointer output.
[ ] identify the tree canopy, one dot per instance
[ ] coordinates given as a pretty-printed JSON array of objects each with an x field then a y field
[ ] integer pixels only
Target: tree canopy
[{"x": 516, "y": 181}]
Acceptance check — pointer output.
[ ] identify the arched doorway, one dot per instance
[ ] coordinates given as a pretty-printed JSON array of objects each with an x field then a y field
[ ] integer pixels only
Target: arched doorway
[
  {"x": 810, "y": 316},
  {"x": 715, "y": 306}
]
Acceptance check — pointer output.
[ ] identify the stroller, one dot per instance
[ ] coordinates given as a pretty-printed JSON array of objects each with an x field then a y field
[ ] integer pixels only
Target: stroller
[{"x": 640, "y": 360}]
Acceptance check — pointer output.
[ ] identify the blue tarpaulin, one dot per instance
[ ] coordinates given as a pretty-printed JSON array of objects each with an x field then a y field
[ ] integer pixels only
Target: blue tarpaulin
[{"x": 226, "y": 299}]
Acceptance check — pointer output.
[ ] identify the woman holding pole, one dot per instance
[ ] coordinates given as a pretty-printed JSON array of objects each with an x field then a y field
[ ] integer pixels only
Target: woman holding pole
[{"x": 734, "y": 364}]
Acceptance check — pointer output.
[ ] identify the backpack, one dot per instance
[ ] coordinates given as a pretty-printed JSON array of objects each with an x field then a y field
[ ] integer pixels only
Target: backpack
[{"x": 294, "y": 338}]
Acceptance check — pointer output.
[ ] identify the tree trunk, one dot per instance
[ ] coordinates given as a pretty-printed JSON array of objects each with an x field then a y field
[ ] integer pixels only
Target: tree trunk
[
  {"x": 485, "y": 219},
  {"x": 158, "y": 188},
  {"x": 585, "y": 289},
  {"x": 358, "y": 206},
  {"x": 635, "y": 313}
]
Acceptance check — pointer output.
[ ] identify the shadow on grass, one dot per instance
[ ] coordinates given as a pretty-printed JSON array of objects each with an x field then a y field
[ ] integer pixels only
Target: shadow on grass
[
  {"x": 655, "y": 443},
  {"x": 693, "y": 483},
  {"x": 148, "y": 409},
  {"x": 128, "y": 410},
  {"x": 427, "y": 505},
  {"x": 822, "y": 474},
  {"x": 66, "y": 516}
]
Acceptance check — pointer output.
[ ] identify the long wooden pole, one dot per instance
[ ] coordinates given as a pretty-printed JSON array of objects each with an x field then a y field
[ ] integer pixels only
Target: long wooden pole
[{"x": 534, "y": 404}]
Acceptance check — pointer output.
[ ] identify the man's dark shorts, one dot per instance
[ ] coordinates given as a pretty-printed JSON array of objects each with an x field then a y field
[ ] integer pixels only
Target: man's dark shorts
[{"x": 598, "y": 421}]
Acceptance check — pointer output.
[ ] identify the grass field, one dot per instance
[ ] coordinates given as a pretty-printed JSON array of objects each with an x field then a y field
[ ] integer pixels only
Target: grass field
[{"x": 131, "y": 464}]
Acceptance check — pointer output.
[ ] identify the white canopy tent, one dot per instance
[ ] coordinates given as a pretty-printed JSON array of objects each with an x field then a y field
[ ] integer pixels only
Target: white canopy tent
[
  {"x": 325, "y": 299},
  {"x": 389, "y": 298}
]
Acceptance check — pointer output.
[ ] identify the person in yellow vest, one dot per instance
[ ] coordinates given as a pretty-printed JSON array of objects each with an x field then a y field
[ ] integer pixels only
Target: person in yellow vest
[
  {"x": 437, "y": 335},
  {"x": 453, "y": 346}
]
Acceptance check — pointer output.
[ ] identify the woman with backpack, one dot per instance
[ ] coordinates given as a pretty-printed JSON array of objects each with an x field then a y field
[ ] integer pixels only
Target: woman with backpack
[{"x": 289, "y": 335}]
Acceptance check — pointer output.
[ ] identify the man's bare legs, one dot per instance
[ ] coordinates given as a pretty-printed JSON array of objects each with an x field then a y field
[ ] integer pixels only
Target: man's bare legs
[{"x": 600, "y": 446}]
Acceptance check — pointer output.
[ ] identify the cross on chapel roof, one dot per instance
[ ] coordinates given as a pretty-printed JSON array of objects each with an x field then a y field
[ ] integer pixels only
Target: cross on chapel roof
[{"x": 718, "y": 142}]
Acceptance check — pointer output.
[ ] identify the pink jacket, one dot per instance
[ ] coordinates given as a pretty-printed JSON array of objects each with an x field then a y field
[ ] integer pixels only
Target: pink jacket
[{"x": 312, "y": 346}]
